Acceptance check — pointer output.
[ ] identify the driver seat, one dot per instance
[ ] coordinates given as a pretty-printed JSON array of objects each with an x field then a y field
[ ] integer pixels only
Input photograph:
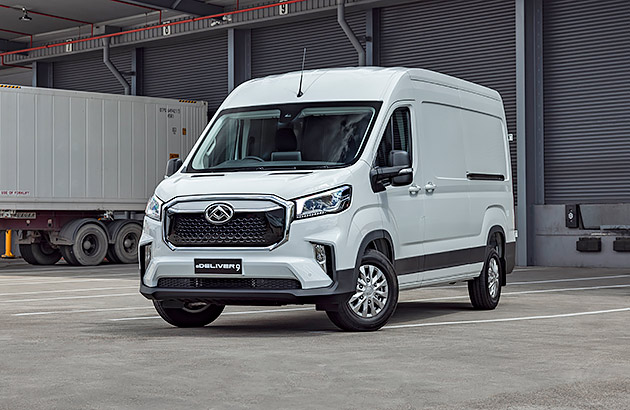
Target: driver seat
[{"x": 286, "y": 146}]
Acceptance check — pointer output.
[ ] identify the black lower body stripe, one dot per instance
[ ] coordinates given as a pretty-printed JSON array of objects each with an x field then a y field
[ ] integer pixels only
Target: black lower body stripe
[{"x": 440, "y": 260}]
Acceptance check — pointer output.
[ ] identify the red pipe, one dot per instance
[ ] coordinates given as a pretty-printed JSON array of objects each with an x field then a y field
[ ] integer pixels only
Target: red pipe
[
  {"x": 52, "y": 16},
  {"x": 20, "y": 33},
  {"x": 141, "y": 6},
  {"x": 137, "y": 30},
  {"x": 13, "y": 65}
]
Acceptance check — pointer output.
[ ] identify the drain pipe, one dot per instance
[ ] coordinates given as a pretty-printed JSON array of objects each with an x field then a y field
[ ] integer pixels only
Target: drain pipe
[
  {"x": 113, "y": 68},
  {"x": 341, "y": 19}
]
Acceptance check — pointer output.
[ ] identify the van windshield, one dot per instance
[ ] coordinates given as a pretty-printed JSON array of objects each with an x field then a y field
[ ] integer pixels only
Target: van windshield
[{"x": 291, "y": 136}]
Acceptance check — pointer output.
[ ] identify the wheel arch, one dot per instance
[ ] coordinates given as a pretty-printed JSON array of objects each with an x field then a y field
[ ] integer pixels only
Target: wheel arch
[
  {"x": 68, "y": 231},
  {"x": 114, "y": 228},
  {"x": 379, "y": 240},
  {"x": 497, "y": 233}
]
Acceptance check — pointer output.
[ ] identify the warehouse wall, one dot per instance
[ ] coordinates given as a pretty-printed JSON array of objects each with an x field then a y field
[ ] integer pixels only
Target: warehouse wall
[
  {"x": 470, "y": 39},
  {"x": 16, "y": 76},
  {"x": 586, "y": 66}
]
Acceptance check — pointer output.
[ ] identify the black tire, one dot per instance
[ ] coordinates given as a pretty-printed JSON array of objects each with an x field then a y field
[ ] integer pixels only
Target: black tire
[
  {"x": 365, "y": 298},
  {"x": 68, "y": 256},
  {"x": 90, "y": 245},
  {"x": 111, "y": 256},
  {"x": 125, "y": 246},
  {"x": 188, "y": 316},
  {"x": 40, "y": 253},
  {"x": 485, "y": 290}
]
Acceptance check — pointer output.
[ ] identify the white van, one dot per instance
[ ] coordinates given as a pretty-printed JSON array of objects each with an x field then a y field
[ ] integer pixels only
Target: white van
[{"x": 337, "y": 189}]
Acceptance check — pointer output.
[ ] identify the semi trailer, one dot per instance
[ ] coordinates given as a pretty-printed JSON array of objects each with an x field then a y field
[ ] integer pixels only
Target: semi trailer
[{"x": 77, "y": 168}]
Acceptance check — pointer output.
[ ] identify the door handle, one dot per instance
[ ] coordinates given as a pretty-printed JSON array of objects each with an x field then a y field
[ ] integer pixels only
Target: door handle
[
  {"x": 430, "y": 187},
  {"x": 414, "y": 189}
]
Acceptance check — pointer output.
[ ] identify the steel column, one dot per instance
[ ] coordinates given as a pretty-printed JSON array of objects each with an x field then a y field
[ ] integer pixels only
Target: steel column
[
  {"x": 137, "y": 67},
  {"x": 239, "y": 57},
  {"x": 42, "y": 74},
  {"x": 529, "y": 124},
  {"x": 373, "y": 35}
]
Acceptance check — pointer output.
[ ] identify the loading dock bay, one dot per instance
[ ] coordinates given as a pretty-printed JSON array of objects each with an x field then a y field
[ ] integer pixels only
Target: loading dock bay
[{"x": 77, "y": 337}]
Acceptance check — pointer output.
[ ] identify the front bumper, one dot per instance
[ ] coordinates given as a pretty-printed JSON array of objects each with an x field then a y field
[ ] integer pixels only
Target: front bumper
[{"x": 342, "y": 287}]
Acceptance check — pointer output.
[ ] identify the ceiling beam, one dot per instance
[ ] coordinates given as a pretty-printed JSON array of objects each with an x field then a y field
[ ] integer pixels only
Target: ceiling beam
[
  {"x": 8, "y": 45},
  {"x": 186, "y": 6}
]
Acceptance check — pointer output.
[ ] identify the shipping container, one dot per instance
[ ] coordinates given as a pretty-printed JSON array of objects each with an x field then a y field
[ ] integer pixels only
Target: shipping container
[{"x": 74, "y": 162}]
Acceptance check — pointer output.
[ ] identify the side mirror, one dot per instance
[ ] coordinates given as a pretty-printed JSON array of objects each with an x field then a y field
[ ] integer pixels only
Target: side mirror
[
  {"x": 400, "y": 171},
  {"x": 400, "y": 159},
  {"x": 172, "y": 166}
]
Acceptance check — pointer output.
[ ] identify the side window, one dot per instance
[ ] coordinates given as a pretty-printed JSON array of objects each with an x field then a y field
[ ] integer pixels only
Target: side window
[{"x": 397, "y": 136}]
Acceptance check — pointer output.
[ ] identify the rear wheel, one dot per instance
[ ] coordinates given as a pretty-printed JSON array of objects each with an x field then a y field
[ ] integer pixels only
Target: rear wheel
[
  {"x": 89, "y": 248},
  {"x": 190, "y": 315},
  {"x": 68, "y": 256},
  {"x": 375, "y": 297},
  {"x": 485, "y": 290},
  {"x": 125, "y": 246},
  {"x": 40, "y": 253}
]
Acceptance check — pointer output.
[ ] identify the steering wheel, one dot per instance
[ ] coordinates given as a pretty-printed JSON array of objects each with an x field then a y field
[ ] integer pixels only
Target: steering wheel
[{"x": 254, "y": 157}]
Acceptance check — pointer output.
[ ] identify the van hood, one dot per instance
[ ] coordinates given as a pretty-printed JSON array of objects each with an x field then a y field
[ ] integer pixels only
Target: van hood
[{"x": 284, "y": 184}]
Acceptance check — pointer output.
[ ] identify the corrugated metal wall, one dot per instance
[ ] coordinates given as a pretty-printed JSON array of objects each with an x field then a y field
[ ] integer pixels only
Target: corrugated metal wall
[
  {"x": 17, "y": 76},
  {"x": 87, "y": 72},
  {"x": 471, "y": 39},
  {"x": 586, "y": 72},
  {"x": 278, "y": 49},
  {"x": 193, "y": 70}
]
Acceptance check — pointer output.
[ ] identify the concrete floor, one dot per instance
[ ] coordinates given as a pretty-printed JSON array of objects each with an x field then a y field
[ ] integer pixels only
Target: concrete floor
[{"x": 79, "y": 338}]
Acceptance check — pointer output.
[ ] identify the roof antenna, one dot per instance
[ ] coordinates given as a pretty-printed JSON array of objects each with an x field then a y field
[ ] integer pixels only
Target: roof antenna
[{"x": 300, "y": 93}]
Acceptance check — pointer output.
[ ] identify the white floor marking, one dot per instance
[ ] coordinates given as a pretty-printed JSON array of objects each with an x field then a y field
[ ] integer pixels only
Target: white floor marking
[
  {"x": 65, "y": 270},
  {"x": 524, "y": 292},
  {"x": 247, "y": 312},
  {"x": 569, "y": 280},
  {"x": 53, "y": 312},
  {"x": 84, "y": 276},
  {"x": 508, "y": 319},
  {"x": 70, "y": 297},
  {"x": 402, "y": 301},
  {"x": 67, "y": 291},
  {"x": 54, "y": 282},
  {"x": 538, "y": 281}
]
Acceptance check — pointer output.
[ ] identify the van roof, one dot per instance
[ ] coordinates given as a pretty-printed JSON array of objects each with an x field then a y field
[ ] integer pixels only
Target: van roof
[{"x": 341, "y": 84}]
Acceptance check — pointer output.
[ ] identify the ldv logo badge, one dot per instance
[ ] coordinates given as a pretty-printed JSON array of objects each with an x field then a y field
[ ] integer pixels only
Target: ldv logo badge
[{"x": 219, "y": 213}]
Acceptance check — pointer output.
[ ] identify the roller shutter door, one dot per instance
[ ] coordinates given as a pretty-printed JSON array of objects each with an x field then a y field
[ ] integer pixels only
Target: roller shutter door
[
  {"x": 278, "y": 49},
  {"x": 586, "y": 63},
  {"x": 470, "y": 39},
  {"x": 192, "y": 70},
  {"x": 87, "y": 72}
]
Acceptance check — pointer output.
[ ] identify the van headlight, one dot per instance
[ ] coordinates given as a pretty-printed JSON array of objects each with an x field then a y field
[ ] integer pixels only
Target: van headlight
[
  {"x": 329, "y": 202},
  {"x": 154, "y": 208}
]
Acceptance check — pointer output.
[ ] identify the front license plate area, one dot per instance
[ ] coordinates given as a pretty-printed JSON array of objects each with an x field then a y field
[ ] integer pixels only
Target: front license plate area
[{"x": 219, "y": 266}]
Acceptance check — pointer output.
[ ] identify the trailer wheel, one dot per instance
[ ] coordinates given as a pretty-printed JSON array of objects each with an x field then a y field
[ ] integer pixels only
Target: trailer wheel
[
  {"x": 66, "y": 252},
  {"x": 40, "y": 253},
  {"x": 125, "y": 246},
  {"x": 90, "y": 245}
]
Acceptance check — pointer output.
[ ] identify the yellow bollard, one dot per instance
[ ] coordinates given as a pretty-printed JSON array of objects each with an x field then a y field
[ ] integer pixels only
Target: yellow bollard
[{"x": 7, "y": 246}]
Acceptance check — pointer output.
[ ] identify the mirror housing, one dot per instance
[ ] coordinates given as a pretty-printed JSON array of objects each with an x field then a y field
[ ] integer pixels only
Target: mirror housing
[
  {"x": 400, "y": 171},
  {"x": 172, "y": 166},
  {"x": 401, "y": 159}
]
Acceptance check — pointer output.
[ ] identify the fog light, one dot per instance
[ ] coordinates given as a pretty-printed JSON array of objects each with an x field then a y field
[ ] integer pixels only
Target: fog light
[{"x": 320, "y": 256}]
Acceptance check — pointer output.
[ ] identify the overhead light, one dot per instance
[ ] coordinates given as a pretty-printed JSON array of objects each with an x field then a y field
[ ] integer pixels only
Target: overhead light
[{"x": 25, "y": 16}]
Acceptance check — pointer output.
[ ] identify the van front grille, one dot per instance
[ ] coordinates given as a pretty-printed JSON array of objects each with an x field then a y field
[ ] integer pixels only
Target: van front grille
[
  {"x": 245, "y": 229},
  {"x": 229, "y": 283}
]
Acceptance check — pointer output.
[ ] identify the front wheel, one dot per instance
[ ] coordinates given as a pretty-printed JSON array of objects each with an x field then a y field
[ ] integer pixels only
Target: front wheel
[
  {"x": 485, "y": 290},
  {"x": 190, "y": 315},
  {"x": 375, "y": 297}
]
